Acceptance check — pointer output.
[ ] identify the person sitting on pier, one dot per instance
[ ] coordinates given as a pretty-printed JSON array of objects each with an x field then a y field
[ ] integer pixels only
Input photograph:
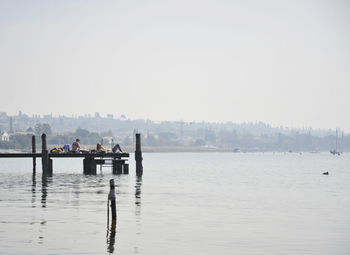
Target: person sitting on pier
[
  {"x": 100, "y": 148},
  {"x": 117, "y": 149},
  {"x": 76, "y": 145}
]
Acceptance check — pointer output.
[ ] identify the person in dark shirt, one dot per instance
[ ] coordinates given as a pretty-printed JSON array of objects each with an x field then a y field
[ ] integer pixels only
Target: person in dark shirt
[{"x": 117, "y": 149}]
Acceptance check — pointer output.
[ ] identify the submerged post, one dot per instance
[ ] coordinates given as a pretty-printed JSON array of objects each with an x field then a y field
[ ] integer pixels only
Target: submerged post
[
  {"x": 34, "y": 151},
  {"x": 45, "y": 160},
  {"x": 138, "y": 156},
  {"x": 111, "y": 198}
]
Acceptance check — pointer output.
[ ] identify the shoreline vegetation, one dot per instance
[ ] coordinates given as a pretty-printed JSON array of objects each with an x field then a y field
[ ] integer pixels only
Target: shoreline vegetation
[{"x": 168, "y": 136}]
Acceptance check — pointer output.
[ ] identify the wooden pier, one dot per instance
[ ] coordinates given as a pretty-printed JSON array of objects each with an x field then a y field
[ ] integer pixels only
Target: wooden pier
[{"x": 118, "y": 161}]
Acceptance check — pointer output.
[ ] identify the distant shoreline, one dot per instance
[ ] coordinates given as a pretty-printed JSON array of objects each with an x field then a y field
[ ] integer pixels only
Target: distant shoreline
[{"x": 165, "y": 149}]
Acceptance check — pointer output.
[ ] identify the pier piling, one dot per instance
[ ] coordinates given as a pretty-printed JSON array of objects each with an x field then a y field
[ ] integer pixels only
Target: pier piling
[
  {"x": 45, "y": 159},
  {"x": 117, "y": 165},
  {"x": 89, "y": 165},
  {"x": 138, "y": 156},
  {"x": 34, "y": 151},
  {"x": 126, "y": 168},
  {"x": 112, "y": 228}
]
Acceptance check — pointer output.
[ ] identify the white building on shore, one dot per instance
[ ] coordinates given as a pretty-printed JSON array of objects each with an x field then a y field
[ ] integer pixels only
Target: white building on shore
[{"x": 4, "y": 136}]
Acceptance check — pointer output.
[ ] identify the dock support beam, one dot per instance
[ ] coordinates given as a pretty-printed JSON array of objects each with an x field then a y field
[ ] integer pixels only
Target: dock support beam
[
  {"x": 89, "y": 166},
  {"x": 117, "y": 166},
  {"x": 126, "y": 168},
  {"x": 45, "y": 160},
  {"x": 138, "y": 156},
  {"x": 34, "y": 151}
]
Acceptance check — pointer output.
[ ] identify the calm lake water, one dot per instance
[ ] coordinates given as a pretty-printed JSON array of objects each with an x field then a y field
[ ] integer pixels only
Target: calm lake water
[{"x": 185, "y": 203}]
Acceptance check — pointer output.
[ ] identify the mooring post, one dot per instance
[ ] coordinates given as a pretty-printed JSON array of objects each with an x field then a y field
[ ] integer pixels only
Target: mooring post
[
  {"x": 45, "y": 160},
  {"x": 111, "y": 198},
  {"x": 34, "y": 151},
  {"x": 111, "y": 230},
  {"x": 138, "y": 156}
]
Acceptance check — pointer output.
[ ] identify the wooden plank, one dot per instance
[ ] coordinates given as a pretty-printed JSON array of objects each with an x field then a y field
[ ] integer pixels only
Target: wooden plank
[
  {"x": 89, "y": 155},
  {"x": 65, "y": 155},
  {"x": 20, "y": 155}
]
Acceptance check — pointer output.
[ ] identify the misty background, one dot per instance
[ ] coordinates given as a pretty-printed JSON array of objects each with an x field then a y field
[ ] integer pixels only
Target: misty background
[
  {"x": 16, "y": 133},
  {"x": 285, "y": 63}
]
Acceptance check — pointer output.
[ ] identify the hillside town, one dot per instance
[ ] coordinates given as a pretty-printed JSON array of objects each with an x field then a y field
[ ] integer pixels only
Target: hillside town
[{"x": 16, "y": 132}]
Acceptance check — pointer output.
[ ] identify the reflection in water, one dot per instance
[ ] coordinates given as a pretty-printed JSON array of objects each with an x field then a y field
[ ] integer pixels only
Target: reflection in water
[
  {"x": 111, "y": 236},
  {"x": 138, "y": 191},
  {"x": 138, "y": 198},
  {"x": 33, "y": 189},
  {"x": 76, "y": 192},
  {"x": 45, "y": 180},
  {"x": 138, "y": 209}
]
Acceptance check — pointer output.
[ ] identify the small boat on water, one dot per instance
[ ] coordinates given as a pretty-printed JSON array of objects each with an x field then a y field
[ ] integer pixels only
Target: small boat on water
[{"x": 335, "y": 151}]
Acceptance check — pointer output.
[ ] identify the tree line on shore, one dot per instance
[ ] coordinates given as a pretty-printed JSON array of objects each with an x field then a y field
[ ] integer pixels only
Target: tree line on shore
[
  {"x": 247, "y": 136},
  {"x": 203, "y": 138}
]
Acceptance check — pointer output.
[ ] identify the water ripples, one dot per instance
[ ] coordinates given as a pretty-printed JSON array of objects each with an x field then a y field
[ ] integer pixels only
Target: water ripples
[{"x": 184, "y": 204}]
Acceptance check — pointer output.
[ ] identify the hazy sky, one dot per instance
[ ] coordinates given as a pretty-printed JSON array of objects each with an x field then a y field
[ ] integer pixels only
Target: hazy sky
[{"x": 281, "y": 62}]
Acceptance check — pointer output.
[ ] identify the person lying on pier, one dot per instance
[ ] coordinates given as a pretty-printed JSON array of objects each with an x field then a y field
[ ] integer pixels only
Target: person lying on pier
[
  {"x": 100, "y": 148},
  {"x": 117, "y": 149},
  {"x": 76, "y": 145}
]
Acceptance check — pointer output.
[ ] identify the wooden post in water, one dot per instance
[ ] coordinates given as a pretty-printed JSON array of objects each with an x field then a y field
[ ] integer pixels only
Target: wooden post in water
[
  {"x": 111, "y": 198},
  {"x": 111, "y": 231},
  {"x": 34, "y": 151},
  {"x": 138, "y": 156},
  {"x": 45, "y": 160}
]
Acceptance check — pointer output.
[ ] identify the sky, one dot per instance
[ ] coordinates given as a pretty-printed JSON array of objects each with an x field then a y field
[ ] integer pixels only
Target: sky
[{"x": 281, "y": 62}]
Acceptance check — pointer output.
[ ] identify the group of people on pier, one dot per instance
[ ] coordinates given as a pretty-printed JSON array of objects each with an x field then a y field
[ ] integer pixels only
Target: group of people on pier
[{"x": 76, "y": 148}]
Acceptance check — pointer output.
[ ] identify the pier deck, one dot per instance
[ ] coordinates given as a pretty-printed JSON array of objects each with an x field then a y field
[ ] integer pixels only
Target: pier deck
[
  {"x": 66, "y": 155},
  {"x": 119, "y": 161}
]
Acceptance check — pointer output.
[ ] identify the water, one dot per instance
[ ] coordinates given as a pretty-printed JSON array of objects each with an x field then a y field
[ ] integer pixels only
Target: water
[{"x": 185, "y": 203}]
